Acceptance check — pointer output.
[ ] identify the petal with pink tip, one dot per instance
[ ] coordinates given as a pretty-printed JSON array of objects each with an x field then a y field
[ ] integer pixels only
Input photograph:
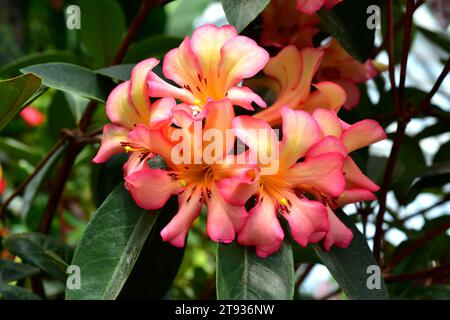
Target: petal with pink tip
[
  {"x": 161, "y": 112},
  {"x": 352, "y": 92},
  {"x": 237, "y": 189},
  {"x": 189, "y": 205},
  {"x": 111, "y": 138},
  {"x": 339, "y": 235},
  {"x": 300, "y": 132},
  {"x": 151, "y": 188},
  {"x": 262, "y": 230},
  {"x": 363, "y": 133},
  {"x": 354, "y": 195},
  {"x": 355, "y": 176},
  {"x": 241, "y": 58},
  {"x": 328, "y": 122},
  {"x": 323, "y": 172},
  {"x": 244, "y": 97},
  {"x": 160, "y": 88},
  {"x": 224, "y": 220},
  {"x": 181, "y": 64},
  {"x": 309, "y": 6},
  {"x": 138, "y": 89},
  {"x": 119, "y": 109},
  {"x": 327, "y": 145},
  {"x": 307, "y": 219}
]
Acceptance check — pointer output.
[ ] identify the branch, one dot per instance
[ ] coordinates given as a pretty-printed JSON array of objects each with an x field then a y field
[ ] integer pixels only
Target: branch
[
  {"x": 420, "y": 275},
  {"x": 424, "y": 211},
  {"x": 418, "y": 243}
]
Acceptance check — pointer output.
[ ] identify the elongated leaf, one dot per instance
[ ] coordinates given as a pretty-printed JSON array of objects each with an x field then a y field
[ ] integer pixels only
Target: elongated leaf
[
  {"x": 347, "y": 22},
  {"x": 153, "y": 46},
  {"x": 242, "y": 275},
  {"x": 181, "y": 14},
  {"x": 13, "y": 68},
  {"x": 13, "y": 271},
  {"x": 47, "y": 253},
  {"x": 19, "y": 149},
  {"x": 349, "y": 266},
  {"x": 72, "y": 78},
  {"x": 119, "y": 72},
  {"x": 14, "y": 94},
  {"x": 110, "y": 246},
  {"x": 102, "y": 29},
  {"x": 158, "y": 263},
  {"x": 241, "y": 13},
  {"x": 9, "y": 292}
]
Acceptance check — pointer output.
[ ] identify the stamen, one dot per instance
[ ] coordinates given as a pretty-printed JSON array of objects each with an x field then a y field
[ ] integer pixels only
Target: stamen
[
  {"x": 182, "y": 183},
  {"x": 284, "y": 202}
]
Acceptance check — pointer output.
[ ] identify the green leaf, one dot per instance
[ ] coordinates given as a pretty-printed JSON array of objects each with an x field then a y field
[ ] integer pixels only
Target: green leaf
[
  {"x": 241, "y": 13},
  {"x": 347, "y": 23},
  {"x": 242, "y": 275},
  {"x": 349, "y": 266},
  {"x": 440, "y": 39},
  {"x": 47, "y": 253},
  {"x": 19, "y": 149},
  {"x": 102, "y": 29},
  {"x": 154, "y": 46},
  {"x": 110, "y": 246},
  {"x": 9, "y": 292},
  {"x": 72, "y": 78},
  {"x": 13, "y": 271},
  {"x": 181, "y": 14},
  {"x": 119, "y": 72},
  {"x": 158, "y": 262},
  {"x": 14, "y": 94},
  {"x": 13, "y": 68}
]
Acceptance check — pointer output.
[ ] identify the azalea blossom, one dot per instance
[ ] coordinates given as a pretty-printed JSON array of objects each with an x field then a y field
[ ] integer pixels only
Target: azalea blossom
[
  {"x": 285, "y": 25},
  {"x": 311, "y": 6},
  {"x": 32, "y": 116},
  {"x": 194, "y": 180},
  {"x": 127, "y": 106},
  {"x": 209, "y": 67},
  {"x": 341, "y": 68},
  {"x": 290, "y": 74},
  {"x": 302, "y": 189}
]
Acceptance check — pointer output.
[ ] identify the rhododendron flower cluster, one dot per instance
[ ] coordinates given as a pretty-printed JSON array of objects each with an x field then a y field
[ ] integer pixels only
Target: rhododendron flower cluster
[{"x": 237, "y": 166}]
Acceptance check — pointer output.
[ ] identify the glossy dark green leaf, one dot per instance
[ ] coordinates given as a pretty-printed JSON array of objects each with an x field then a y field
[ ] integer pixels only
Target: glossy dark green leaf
[
  {"x": 72, "y": 78},
  {"x": 9, "y": 292},
  {"x": 102, "y": 29},
  {"x": 241, "y": 13},
  {"x": 13, "y": 68},
  {"x": 110, "y": 246},
  {"x": 155, "y": 46},
  {"x": 14, "y": 94},
  {"x": 347, "y": 22},
  {"x": 349, "y": 266},
  {"x": 158, "y": 262},
  {"x": 13, "y": 271},
  {"x": 242, "y": 275},
  {"x": 181, "y": 15},
  {"x": 119, "y": 72},
  {"x": 47, "y": 253},
  {"x": 20, "y": 149}
]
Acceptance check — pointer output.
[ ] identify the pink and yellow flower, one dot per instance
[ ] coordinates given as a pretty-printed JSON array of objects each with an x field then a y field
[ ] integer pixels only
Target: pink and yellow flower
[
  {"x": 301, "y": 189},
  {"x": 285, "y": 25},
  {"x": 209, "y": 66},
  {"x": 312, "y": 6},
  {"x": 341, "y": 68},
  {"x": 291, "y": 73}
]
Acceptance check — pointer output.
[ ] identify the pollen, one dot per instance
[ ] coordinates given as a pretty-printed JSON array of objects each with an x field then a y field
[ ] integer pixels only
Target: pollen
[
  {"x": 284, "y": 201},
  {"x": 128, "y": 149},
  {"x": 197, "y": 102},
  {"x": 182, "y": 183}
]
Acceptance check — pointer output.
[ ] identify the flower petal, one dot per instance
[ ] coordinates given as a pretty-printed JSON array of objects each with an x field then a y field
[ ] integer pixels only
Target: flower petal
[
  {"x": 224, "y": 220},
  {"x": 111, "y": 138},
  {"x": 241, "y": 58},
  {"x": 327, "y": 145},
  {"x": 309, "y": 6},
  {"x": 237, "y": 189},
  {"x": 363, "y": 133},
  {"x": 323, "y": 172},
  {"x": 355, "y": 176},
  {"x": 151, "y": 188},
  {"x": 161, "y": 112},
  {"x": 262, "y": 230},
  {"x": 339, "y": 235},
  {"x": 160, "y": 88},
  {"x": 300, "y": 132},
  {"x": 354, "y": 195},
  {"x": 328, "y": 122},
  {"x": 244, "y": 97},
  {"x": 189, "y": 206},
  {"x": 307, "y": 219},
  {"x": 329, "y": 95},
  {"x": 139, "y": 91}
]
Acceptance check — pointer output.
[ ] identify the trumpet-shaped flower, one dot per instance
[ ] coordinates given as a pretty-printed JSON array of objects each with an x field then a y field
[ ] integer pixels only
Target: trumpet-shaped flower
[
  {"x": 341, "y": 68},
  {"x": 127, "y": 106},
  {"x": 209, "y": 66},
  {"x": 285, "y": 25},
  {"x": 194, "y": 178},
  {"x": 311, "y": 6},
  {"x": 290, "y": 74},
  {"x": 301, "y": 189}
]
